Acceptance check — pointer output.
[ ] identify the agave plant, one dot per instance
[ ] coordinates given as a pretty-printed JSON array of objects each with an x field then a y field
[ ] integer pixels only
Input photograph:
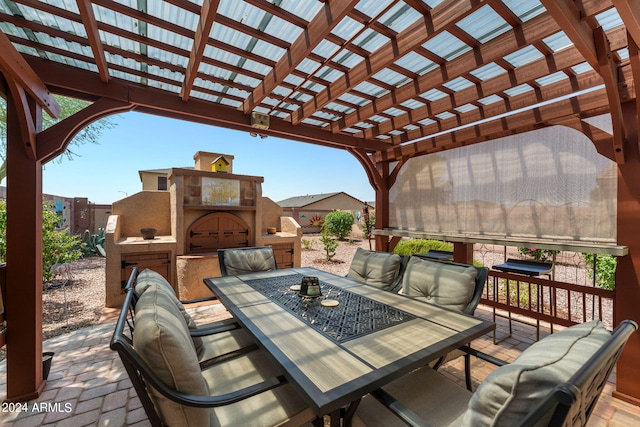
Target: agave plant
[{"x": 93, "y": 244}]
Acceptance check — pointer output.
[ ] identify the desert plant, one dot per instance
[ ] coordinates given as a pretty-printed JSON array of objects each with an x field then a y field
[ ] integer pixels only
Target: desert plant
[
  {"x": 537, "y": 254},
  {"x": 338, "y": 223},
  {"x": 57, "y": 246},
  {"x": 420, "y": 246},
  {"x": 605, "y": 273},
  {"x": 330, "y": 245},
  {"x": 307, "y": 244},
  {"x": 93, "y": 244}
]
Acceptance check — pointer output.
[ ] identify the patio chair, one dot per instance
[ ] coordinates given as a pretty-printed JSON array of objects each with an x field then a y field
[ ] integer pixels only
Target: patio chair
[
  {"x": 235, "y": 261},
  {"x": 154, "y": 346},
  {"x": 556, "y": 381},
  {"x": 448, "y": 284},
  {"x": 380, "y": 269},
  {"x": 213, "y": 341}
]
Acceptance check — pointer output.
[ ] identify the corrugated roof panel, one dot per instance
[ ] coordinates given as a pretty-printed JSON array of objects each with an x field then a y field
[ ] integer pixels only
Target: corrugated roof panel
[
  {"x": 426, "y": 122},
  {"x": 261, "y": 20},
  {"x": 329, "y": 74},
  {"x": 446, "y": 46},
  {"x": 391, "y": 77},
  {"x": 416, "y": 63},
  {"x": 623, "y": 53},
  {"x": 491, "y": 99},
  {"x": 466, "y": 108},
  {"x": 523, "y": 56},
  {"x": 488, "y": 71},
  {"x": 433, "y": 94},
  {"x": 372, "y": 7},
  {"x": 396, "y": 132},
  {"x": 246, "y": 42},
  {"x": 168, "y": 12},
  {"x": 313, "y": 86},
  {"x": 293, "y": 79},
  {"x": 400, "y": 17},
  {"x": 232, "y": 76},
  {"x": 353, "y": 99},
  {"x": 326, "y": 49},
  {"x": 379, "y": 119},
  {"x": 270, "y": 101},
  {"x": 432, "y": 3},
  {"x": 299, "y": 96},
  {"x": 395, "y": 112},
  {"x": 347, "y": 28},
  {"x": 279, "y": 114},
  {"x": 458, "y": 84},
  {"x": 609, "y": 19},
  {"x": 63, "y": 4},
  {"x": 581, "y": 68},
  {"x": 308, "y": 66},
  {"x": 124, "y": 76},
  {"x": 310, "y": 121},
  {"x": 518, "y": 90},
  {"x": 445, "y": 115},
  {"x": 351, "y": 130},
  {"x": 339, "y": 107},
  {"x": 235, "y": 60},
  {"x": 383, "y": 137},
  {"x": 348, "y": 59},
  {"x": 525, "y": 9},
  {"x": 371, "y": 89},
  {"x": 413, "y": 104},
  {"x": 484, "y": 24},
  {"x": 45, "y": 18},
  {"x": 551, "y": 78},
  {"x": 325, "y": 115},
  {"x": 410, "y": 127},
  {"x": 306, "y": 10},
  {"x": 282, "y": 91},
  {"x": 364, "y": 125},
  {"x": 370, "y": 40}
]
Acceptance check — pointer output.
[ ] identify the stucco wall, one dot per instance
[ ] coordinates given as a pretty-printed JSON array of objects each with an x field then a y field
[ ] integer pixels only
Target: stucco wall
[{"x": 151, "y": 208}]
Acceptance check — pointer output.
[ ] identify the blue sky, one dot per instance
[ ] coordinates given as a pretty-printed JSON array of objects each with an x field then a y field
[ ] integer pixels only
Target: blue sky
[{"x": 108, "y": 171}]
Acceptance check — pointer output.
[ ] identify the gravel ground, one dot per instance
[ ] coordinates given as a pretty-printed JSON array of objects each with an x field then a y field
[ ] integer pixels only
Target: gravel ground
[{"x": 80, "y": 302}]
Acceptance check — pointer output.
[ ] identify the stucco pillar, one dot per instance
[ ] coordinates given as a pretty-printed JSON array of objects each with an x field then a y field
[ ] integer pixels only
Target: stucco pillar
[{"x": 24, "y": 263}]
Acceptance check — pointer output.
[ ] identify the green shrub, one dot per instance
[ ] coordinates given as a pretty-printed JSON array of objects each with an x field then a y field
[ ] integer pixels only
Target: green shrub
[
  {"x": 307, "y": 244},
  {"x": 330, "y": 245},
  {"x": 338, "y": 223},
  {"x": 605, "y": 270},
  {"x": 57, "y": 246},
  {"x": 537, "y": 254},
  {"x": 420, "y": 246}
]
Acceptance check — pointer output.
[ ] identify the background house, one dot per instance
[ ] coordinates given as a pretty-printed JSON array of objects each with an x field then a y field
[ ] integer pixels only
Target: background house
[{"x": 309, "y": 210}]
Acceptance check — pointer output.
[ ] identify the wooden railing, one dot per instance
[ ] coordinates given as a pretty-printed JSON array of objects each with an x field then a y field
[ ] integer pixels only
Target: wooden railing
[{"x": 541, "y": 299}]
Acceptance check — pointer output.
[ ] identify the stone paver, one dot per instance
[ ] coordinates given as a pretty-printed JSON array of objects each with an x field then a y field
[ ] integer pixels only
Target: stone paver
[{"x": 89, "y": 386}]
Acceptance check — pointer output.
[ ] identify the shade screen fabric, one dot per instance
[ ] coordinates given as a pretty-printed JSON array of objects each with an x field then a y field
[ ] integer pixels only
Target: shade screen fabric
[{"x": 549, "y": 183}]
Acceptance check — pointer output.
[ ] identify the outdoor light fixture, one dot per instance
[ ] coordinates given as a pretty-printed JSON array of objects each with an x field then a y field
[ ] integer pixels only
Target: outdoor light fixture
[{"x": 259, "y": 120}]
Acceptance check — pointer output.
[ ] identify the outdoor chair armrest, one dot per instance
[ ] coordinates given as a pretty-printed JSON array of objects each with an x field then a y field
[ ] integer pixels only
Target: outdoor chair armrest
[
  {"x": 401, "y": 411},
  {"x": 222, "y": 326},
  {"x": 484, "y": 356},
  {"x": 197, "y": 300}
]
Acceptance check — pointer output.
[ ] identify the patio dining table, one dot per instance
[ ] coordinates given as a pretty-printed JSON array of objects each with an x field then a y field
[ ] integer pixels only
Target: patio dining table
[{"x": 349, "y": 341}]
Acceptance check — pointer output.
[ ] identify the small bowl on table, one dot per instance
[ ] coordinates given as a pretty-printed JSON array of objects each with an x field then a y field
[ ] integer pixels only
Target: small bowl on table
[{"x": 148, "y": 233}]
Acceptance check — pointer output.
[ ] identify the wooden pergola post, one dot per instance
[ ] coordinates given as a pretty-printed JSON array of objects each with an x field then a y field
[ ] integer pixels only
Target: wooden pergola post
[{"x": 24, "y": 258}]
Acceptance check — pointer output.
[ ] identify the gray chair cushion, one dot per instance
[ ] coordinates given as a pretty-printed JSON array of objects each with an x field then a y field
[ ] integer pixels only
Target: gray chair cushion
[
  {"x": 512, "y": 391},
  {"x": 379, "y": 269},
  {"x": 242, "y": 261},
  {"x": 162, "y": 339},
  {"x": 447, "y": 285},
  {"x": 150, "y": 279}
]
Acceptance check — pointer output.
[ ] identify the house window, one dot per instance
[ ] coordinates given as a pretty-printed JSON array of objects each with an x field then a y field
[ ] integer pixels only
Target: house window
[{"x": 162, "y": 183}]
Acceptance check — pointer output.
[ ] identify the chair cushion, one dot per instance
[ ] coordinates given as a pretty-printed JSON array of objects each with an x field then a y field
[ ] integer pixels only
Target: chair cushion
[
  {"x": 241, "y": 261},
  {"x": 149, "y": 279},
  {"x": 379, "y": 269},
  {"x": 447, "y": 285},
  {"x": 512, "y": 391},
  {"x": 161, "y": 337}
]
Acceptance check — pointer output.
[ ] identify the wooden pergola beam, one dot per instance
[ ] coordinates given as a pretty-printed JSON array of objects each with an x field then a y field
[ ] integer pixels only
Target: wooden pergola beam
[
  {"x": 88, "y": 19},
  {"x": 200, "y": 38},
  {"x": 589, "y": 104},
  {"x": 535, "y": 29},
  {"x": 332, "y": 14},
  {"x": 14, "y": 66},
  {"x": 440, "y": 18},
  {"x": 629, "y": 11}
]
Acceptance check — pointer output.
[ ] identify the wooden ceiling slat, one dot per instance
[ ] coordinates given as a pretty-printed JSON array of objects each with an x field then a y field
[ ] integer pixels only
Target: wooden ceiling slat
[
  {"x": 207, "y": 17},
  {"x": 333, "y": 12},
  {"x": 91, "y": 27},
  {"x": 440, "y": 18}
]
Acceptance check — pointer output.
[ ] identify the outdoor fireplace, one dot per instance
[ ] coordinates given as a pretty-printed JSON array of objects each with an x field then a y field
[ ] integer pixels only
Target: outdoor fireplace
[{"x": 203, "y": 210}]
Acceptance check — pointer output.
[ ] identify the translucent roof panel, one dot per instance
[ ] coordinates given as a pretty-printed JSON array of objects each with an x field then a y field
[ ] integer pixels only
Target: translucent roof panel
[
  {"x": 399, "y": 17},
  {"x": 391, "y": 77},
  {"x": 257, "y": 18},
  {"x": 416, "y": 63},
  {"x": 413, "y": 104},
  {"x": 347, "y": 28},
  {"x": 348, "y": 58},
  {"x": 308, "y": 66},
  {"x": 426, "y": 122},
  {"x": 339, "y": 107},
  {"x": 581, "y": 68},
  {"x": 552, "y": 78},
  {"x": 466, "y": 108},
  {"x": 445, "y": 115},
  {"x": 558, "y": 41},
  {"x": 370, "y": 89},
  {"x": 326, "y": 49},
  {"x": 433, "y": 94},
  {"x": 609, "y": 19},
  {"x": 518, "y": 90},
  {"x": 525, "y": 9},
  {"x": 523, "y": 56},
  {"x": 329, "y": 74},
  {"x": 370, "y": 40},
  {"x": 458, "y": 84},
  {"x": 488, "y": 71},
  {"x": 353, "y": 99},
  {"x": 246, "y": 42},
  {"x": 484, "y": 24},
  {"x": 394, "y": 112},
  {"x": 446, "y": 46},
  {"x": 491, "y": 99}
]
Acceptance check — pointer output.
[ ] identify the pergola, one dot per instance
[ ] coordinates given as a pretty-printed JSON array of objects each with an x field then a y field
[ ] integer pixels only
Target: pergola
[{"x": 387, "y": 81}]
